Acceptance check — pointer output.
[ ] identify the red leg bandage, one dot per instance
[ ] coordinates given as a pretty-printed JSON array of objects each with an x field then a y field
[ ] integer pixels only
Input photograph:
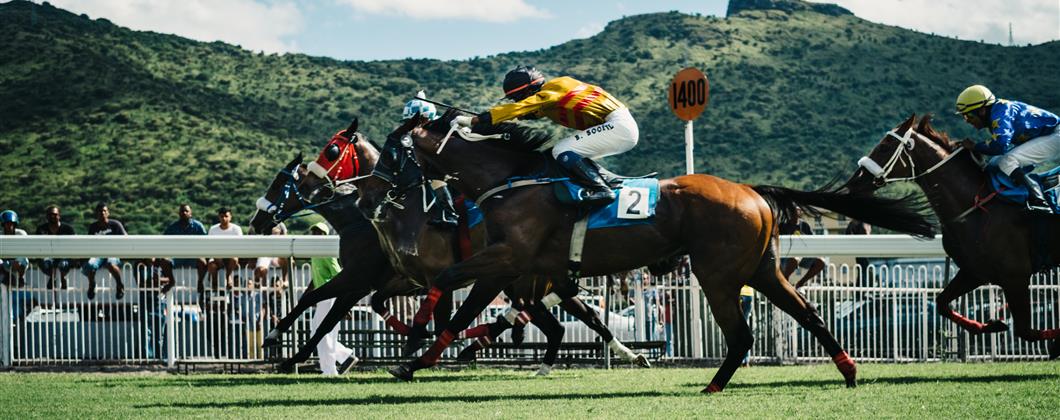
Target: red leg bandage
[
  {"x": 1049, "y": 334},
  {"x": 968, "y": 324},
  {"x": 396, "y": 324},
  {"x": 431, "y": 356},
  {"x": 476, "y": 331},
  {"x": 845, "y": 364},
  {"x": 423, "y": 315}
]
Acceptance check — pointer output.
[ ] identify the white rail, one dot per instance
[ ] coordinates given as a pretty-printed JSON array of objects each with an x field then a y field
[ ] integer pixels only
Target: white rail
[{"x": 144, "y": 246}]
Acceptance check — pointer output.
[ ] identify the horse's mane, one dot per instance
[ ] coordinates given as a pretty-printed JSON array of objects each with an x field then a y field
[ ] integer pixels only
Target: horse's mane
[
  {"x": 938, "y": 137},
  {"x": 523, "y": 137}
]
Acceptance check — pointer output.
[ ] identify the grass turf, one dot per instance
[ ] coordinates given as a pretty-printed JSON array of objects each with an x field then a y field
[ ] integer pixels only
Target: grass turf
[{"x": 973, "y": 390}]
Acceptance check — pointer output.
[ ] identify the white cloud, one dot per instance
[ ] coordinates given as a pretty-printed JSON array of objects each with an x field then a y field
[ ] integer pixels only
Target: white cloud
[
  {"x": 496, "y": 11},
  {"x": 252, "y": 24},
  {"x": 592, "y": 28},
  {"x": 1033, "y": 21}
]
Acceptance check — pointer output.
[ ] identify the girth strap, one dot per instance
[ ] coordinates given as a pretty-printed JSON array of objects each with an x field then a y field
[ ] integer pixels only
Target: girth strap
[{"x": 577, "y": 244}]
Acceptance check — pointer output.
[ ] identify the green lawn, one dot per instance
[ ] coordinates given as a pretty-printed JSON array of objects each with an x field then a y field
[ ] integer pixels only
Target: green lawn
[{"x": 975, "y": 390}]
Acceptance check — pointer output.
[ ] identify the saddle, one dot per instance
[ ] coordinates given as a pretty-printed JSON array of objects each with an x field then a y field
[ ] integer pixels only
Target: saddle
[
  {"x": 569, "y": 192},
  {"x": 1015, "y": 193}
]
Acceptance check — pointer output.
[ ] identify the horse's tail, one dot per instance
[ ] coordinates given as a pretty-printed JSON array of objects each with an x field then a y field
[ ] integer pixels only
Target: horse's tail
[{"x": 905, "y": 214}]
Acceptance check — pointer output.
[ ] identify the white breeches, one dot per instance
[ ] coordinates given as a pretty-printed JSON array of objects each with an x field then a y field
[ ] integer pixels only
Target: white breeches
[
  {"x": 617, "y": 134},
  {"x": 1033, "y": 152},
  {"x": 329, "y": 350}
]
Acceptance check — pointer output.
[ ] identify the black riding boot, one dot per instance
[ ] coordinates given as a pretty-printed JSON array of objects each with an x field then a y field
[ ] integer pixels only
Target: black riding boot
[
  {"x": 446, "y": 215},
  {"x": 1035, "y": 198},
  {"x": 596, "y": 190}
]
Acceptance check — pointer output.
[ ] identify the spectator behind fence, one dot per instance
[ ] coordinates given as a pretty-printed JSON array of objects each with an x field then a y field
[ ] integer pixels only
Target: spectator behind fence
[
  {"x": 53, "y": 225},
  {"x": 224, "y": 226},
  {"x": 261, "y": 268},
  {"x": 185, "y": 225},
  {"x": 104, "y": 225},
  {"x": 747, "y": 299},
  {"x": 329, "y": 350},
  {"x": 12, "y": 267},
  {"x": 857, "y": 227},
  {"x": 813, "y": 265}
]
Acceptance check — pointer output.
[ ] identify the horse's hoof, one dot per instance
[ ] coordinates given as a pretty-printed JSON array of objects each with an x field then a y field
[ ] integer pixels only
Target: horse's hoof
[
  {"x": 852, "y": 382},
  {"x": 285, "y": 367},
  {"x": 642, "y": 361},
  {"x": 402, "y": 372},
  {"x": 995, "y": 326},
  {"x": 711, "y": 389},
  {"x": 1054, "y": 349},
  {"x": 467, "y": 355}
]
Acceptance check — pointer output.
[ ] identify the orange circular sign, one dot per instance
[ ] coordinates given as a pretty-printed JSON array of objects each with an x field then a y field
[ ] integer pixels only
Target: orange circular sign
[{"x": 689, "y": 93}]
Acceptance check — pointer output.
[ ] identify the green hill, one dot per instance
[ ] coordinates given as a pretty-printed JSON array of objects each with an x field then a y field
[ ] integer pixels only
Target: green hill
[{"x": 92, "y": 111}]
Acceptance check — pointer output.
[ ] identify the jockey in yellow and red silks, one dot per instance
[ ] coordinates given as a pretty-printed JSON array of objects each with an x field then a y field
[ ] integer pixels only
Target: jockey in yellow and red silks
[
  {"x": 1020, "y": 135},
  {"x": 605, "y": 126}
]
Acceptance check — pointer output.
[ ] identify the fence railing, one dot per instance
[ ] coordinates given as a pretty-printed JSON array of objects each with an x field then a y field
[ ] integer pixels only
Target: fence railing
[{"x": 886, "y": 313}]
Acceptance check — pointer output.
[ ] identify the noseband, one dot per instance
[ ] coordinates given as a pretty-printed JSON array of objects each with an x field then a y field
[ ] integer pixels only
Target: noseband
[
  {"x": 290, "y": 186},
  {"x": 901, "y": 154}
]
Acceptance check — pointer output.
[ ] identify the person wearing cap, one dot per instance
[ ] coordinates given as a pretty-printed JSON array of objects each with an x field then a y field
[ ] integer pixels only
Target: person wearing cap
[
  {"x": 446, "y": 215},
  {"x": 1021, "y": 135},
  {"x": 329, "y": 350},
  {"x": 605, "y": 126},
  {"x": 12, "y": 267}
]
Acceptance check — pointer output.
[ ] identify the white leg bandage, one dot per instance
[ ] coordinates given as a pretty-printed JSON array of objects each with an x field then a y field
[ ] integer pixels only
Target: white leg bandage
[
  {"x": 550, "y": 300},
  {"x": 436, "y": 184},
  {"x": 621, "y": 350},
  {"x": 516, "y": 317},
  {"x": 544, "y": 370},
  {"x": 273, "y": 334}
]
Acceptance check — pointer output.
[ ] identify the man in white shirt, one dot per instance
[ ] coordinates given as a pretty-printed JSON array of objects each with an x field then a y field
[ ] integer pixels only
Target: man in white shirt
[{"x": 224, "y": 226}]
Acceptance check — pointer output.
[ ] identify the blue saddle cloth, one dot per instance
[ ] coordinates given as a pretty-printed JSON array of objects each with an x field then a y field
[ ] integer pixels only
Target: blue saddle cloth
[
  {"x": 474, "y": 214},
  {"x": 1017, "y": 193},
  {"x": 635, "y": 204}
]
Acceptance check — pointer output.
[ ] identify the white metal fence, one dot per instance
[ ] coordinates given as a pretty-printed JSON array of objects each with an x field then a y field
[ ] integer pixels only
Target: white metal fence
[{"x": 885, "y": 314}]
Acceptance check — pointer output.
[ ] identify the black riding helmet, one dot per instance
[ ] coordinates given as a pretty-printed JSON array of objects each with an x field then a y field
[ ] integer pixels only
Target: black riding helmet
[{"x": 522, "y": 82}]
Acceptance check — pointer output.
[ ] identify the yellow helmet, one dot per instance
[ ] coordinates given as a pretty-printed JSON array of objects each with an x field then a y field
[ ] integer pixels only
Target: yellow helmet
[{"x": 974, "y": 97}]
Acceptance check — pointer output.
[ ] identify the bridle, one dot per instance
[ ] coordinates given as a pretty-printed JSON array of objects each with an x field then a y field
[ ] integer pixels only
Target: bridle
[
  {"x": 901, "y": 155},
  {"x": 290, "y": 186},
  {"x": 349, "y": 150},
  {"x": 396, "y": 194}
]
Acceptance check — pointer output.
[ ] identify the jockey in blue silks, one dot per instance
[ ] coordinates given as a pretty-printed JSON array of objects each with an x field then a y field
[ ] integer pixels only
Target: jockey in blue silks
[{"x": 1020, "y": 135}]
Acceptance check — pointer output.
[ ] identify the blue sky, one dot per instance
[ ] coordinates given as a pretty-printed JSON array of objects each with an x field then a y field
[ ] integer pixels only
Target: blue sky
[{"x": 460, "y": 29}]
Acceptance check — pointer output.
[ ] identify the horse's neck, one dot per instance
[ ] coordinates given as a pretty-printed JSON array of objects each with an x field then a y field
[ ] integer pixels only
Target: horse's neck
[
  {"x": 952, "y": 188},
  {"x": 341, "y": 212},
  {"x": 480, "y": 167}
]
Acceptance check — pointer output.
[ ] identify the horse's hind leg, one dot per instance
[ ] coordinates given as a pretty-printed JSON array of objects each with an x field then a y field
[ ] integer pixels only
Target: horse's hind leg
[
  {"x": 338, "y": 285},
  {"x": 962, "y": 284},
  {"x": 771, "y": 283},
  {"x": 727, "y": 313},
  {"x": 577, "y": 309},
  {"x": 1019, "y": 304}
]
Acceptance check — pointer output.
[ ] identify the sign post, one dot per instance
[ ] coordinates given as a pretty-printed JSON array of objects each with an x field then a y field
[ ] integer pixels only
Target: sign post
[
  {"x": 688, "y": 97},
  {"x": 689, "y": 93}
]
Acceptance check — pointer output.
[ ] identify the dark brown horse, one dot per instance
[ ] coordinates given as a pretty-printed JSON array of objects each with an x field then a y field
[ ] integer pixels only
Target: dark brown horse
[
  {"x": 993, "y": 242},
  {"x": 727, "y": 229},
  {"x": 416, "y": 249}
]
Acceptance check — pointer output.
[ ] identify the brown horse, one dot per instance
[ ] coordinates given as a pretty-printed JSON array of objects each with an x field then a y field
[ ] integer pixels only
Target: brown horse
[
  {"x": 728, "y": 230},
  {"x": 991, "y": 242}
]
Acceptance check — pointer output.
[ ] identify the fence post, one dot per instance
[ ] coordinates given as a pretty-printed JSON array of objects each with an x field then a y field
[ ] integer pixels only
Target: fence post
[
  {"x": 697, "y": 317},
  {"x": 607, "y": 318},
  {"x": 6, "y": 325},
  {"x": 171, "y": 325}
]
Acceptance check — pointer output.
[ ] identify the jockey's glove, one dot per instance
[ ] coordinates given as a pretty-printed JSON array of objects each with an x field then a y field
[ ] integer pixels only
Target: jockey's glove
[{"x": 462, "y": 120}]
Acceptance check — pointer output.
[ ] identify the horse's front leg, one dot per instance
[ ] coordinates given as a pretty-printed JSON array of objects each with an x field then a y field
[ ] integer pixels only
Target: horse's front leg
[
  {"x": 962, "y": 284},
  {"x": 494, "y": 268}
]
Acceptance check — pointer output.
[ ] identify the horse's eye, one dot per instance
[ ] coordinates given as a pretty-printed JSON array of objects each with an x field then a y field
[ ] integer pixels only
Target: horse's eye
[{"x": 332, "y": 152}]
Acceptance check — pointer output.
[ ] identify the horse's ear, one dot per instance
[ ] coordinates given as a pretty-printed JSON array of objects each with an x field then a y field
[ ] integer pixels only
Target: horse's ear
[
  {"x": 352, "y": 128},
  {"x": 295, "y": 162},
  {"x": 925, "y": 124},
  {"x": 906, "y": 125}
]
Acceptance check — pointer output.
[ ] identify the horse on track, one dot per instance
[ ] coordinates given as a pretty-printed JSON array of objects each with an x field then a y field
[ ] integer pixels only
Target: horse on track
[
  {"x": 727, "y": 229},
  {"x": 992, "y": 241},
  {"x": 416, "y": 249}
]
